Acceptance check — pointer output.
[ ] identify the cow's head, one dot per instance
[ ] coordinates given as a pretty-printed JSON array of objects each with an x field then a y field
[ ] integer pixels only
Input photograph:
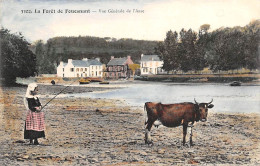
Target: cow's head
[{"x": 202, "y": 110}]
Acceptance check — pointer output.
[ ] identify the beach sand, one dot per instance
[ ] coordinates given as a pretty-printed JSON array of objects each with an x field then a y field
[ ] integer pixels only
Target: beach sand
[{"x": 85, "y": 131}]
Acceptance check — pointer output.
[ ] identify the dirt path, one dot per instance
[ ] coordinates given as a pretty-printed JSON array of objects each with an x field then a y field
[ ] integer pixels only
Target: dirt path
[{"x": 108, "y": 132}]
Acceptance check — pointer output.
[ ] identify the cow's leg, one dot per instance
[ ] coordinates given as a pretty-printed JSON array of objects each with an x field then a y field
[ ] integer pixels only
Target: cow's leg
[
  {"x": 185, "y": 126},
  {"x": 148, "y": 139},
  {"x": 191, "y": 136}
]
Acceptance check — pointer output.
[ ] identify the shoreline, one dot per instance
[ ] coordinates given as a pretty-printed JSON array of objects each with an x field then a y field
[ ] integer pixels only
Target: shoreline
[
  {"x": 245, "y": 79},
  {"x": 88, "y": 131}
]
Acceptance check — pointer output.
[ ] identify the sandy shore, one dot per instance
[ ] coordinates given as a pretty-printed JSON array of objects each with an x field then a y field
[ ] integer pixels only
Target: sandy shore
[{"x": 85, "y": 131}]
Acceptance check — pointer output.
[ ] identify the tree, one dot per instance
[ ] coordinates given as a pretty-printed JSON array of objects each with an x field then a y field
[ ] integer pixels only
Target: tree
[
  {"x": 134, "y": 67},
  {"x": 16, "y": 57},
  {"x": 201, "y": 48},
  {"x": 40, "y": 55},
  {"x": 186, "y": 49},
  {"x": 204, "y": 28},
  {"x": 252, "y": 45},
  {"x": 167, "y": 51}
]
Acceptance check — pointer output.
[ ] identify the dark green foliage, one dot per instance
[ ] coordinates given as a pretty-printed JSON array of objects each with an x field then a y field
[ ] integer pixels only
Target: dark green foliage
[
  {"x": 223, "y": 49},
  {"x": 197, "y": 79},
  {"x": 231, "y": 79},
  {"x": 16, "y": 58},
  {"x": 186, "y": 50},
  {"x": 168, "y": 51},
  {"x": 63, "y": 48},
  {"x": 234, "y": 48}
]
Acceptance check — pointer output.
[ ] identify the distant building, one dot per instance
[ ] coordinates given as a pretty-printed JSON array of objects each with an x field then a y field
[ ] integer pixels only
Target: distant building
[
  {"x": 118, "y": 68},
  {"x": 80, "y": 68},
  {"x": 151, "y": 64}
]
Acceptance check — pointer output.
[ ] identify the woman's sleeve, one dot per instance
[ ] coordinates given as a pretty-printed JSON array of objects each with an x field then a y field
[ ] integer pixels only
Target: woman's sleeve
[
  {"x": 31, "y": 104},
  {"x": 38, "y": 102}
]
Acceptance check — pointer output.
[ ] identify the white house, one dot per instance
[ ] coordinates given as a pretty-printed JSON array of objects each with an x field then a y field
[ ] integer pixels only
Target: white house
[
  {"x": 150, "y": 64},
  {"x": 80, "y": 68}
]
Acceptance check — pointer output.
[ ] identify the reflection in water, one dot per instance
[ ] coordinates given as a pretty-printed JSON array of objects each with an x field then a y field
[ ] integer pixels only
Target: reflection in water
[{"x": 226, "y": 98}]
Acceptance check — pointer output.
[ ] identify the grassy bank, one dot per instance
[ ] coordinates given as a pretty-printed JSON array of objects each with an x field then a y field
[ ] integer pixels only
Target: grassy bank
[{"x": 202, "y": 78}]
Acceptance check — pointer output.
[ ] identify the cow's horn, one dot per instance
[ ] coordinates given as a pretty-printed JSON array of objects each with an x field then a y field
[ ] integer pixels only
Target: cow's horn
[
  {"x": 195, "y": 101},
  {"x": 211, "y": 101}
]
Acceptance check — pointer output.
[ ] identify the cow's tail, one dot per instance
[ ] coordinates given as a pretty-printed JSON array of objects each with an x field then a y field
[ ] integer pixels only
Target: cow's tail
[{"x": 145, "y": 114}]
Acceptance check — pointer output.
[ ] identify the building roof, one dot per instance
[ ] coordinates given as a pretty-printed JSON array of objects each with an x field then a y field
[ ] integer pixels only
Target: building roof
[
  {"x": 85, "y": 63},
  {"x": 150, "y": 58},
  {"x": 94, "y": 62},
  {"x": 79, "y": 63},
  {"x": 64, "y": 64},
  {"x": 117, "y": 61}
]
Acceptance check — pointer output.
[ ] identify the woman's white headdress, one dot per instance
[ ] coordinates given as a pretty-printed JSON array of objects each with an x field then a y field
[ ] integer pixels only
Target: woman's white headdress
[{"x": 31, "y": 87}]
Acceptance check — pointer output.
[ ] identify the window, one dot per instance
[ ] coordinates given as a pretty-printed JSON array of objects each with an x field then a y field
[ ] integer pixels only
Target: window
[
  {"x": 63, "y": 69},
  {"x": 77, "y": 70},
  {"x": 96, "y": 67},
  {"x": 86, "y": 69},
  {"x": 72, "y": 69},
  {"x": 81, "y": 69},
  {"x": 96, "y": 73}
]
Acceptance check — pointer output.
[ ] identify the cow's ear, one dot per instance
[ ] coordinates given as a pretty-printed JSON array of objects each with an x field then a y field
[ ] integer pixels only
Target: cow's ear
[
  {"x": 210, "y": 106},
  {"x": 159, "y": 106},
  {"x": 196, "y": 107}
]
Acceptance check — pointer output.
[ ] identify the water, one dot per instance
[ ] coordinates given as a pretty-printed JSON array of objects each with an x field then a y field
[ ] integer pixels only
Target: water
[{"x": 242, "y": 99}]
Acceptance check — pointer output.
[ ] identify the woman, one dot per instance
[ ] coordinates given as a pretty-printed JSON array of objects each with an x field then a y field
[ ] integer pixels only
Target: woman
[{"x": 34, "y": 124}]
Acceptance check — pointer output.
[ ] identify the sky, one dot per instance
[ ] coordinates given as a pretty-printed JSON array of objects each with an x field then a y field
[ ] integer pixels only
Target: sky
[{"x": 153, "y": 19}]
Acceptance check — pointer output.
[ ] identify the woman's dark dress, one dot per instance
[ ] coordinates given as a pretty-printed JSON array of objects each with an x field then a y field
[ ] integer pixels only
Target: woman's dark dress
[{"x": 34, "y": 118}]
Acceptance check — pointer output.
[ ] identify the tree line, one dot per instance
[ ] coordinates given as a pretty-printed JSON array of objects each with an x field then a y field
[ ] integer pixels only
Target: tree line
[
  {"x": 58, "y": 49},
  {"x": 222, "y": 49},
  {"x": 16, "y": 59}
]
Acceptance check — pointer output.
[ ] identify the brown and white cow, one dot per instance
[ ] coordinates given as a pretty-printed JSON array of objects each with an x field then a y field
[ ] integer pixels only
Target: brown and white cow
[{"x": 173, "y": 115}]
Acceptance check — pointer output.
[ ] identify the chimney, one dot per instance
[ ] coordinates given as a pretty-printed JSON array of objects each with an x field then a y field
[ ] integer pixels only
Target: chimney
[
  {"x": 128, "y": 57},
  {"x": 142, "y": 55},
  {"x": 85, "y": 59},
  {"x": 98, "y": 59},
  {"x": 61, "y": 63},
  {"x": 112, "y": 57},
  {"x": 69, "y": 60}
]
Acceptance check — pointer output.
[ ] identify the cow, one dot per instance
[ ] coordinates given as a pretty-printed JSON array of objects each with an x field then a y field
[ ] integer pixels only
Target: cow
[{"x": 173, "y": 115}]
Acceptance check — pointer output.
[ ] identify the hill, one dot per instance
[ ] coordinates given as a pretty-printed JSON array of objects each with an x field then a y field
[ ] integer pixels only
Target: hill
[{"x": 59, "y": 49}]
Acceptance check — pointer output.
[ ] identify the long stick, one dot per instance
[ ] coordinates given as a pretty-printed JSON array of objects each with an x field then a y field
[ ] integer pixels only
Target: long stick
[{"x": 57, "y": 94}]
